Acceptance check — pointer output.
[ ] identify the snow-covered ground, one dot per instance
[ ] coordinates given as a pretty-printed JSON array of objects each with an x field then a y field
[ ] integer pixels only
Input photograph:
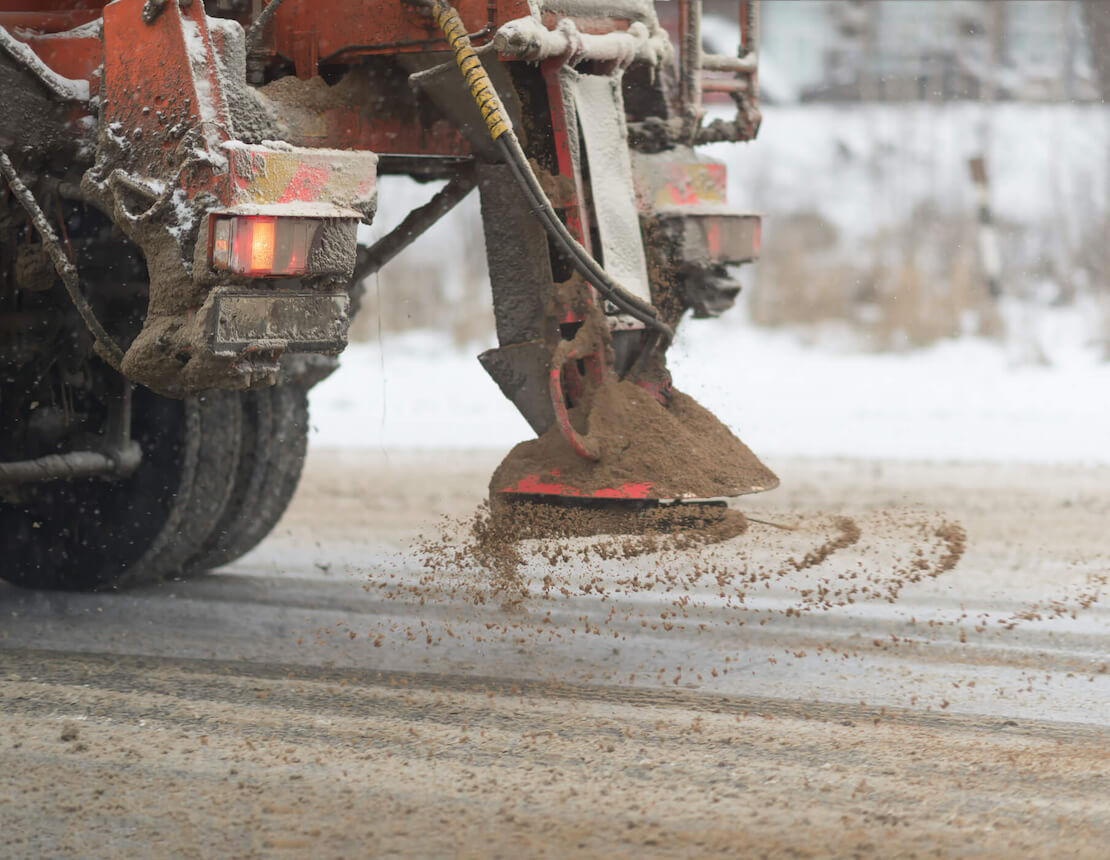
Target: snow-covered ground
[{"x": 966, "y": 399}]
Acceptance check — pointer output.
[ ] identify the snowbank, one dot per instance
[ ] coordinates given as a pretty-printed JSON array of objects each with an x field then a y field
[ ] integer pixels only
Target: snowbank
[{"x": 963, "y": 400}]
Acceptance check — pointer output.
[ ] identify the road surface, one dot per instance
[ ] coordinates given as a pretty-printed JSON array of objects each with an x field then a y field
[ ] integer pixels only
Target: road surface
[{"x": 863, "y": 682}]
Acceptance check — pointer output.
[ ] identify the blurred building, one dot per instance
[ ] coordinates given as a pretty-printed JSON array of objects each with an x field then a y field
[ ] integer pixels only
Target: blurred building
[{"x": 927, "y": 50}]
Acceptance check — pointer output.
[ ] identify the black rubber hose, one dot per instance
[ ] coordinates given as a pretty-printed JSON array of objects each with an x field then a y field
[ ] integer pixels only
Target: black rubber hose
[
  {"x": 580, "y": 258},
  {"x": 109, "y": 349}
]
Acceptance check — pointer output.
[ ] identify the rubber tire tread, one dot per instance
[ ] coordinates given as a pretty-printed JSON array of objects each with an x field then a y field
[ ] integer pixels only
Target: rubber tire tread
[
  {"x": 277, "y": 419},
  {"x": 214, "y": 423},
  {"x": 93, "y": 534},
  {"x": 256, "y": 452}
]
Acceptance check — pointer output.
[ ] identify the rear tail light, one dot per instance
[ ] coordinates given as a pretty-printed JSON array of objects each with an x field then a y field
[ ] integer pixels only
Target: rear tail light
[{"x": 262, "y": 246}]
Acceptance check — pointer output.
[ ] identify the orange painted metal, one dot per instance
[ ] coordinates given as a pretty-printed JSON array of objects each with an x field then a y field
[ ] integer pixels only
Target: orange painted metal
[
  {"x": 144, "y": 58},
  {"x": 71, "y": 57},
  {"x": 576, "y": 217},
  {"x": 562, "y": 362},
  {"x": 566, "y": 381},
  {"x": 49, "y": 16},
  {"x": 47, "y": 22},
  {"x": 356, "y": 127},
  {"x": 174, "y": 125},
  {"x": 258, "y": 175},
  {"x": 340, "y": 30},
  {"x": 156, "y": 112},
  {"x": 74, "y": 57},
  {"x": 51, "y": 6},
  {"x": 536, "y": 485}
]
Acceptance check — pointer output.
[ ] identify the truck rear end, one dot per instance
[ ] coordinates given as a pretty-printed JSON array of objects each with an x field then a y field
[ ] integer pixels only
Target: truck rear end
[{"x": 183, "y": 184}]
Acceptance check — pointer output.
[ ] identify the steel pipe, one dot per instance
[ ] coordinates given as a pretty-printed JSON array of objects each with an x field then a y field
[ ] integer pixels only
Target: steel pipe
[
  {"x": 72, "y": 466},
  {"x": 528, "y": 39}
]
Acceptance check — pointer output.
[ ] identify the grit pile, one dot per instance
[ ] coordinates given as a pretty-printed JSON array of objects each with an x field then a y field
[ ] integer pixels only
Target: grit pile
[
  {"x": 682, "y": 449},
  {"x": 514, "y": 548}
]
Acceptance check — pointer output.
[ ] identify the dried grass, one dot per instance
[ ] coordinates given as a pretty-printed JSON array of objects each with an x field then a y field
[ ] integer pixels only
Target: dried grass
[
  {"x": 416, "y": 293},
  {"x": 907, "y": 287}
]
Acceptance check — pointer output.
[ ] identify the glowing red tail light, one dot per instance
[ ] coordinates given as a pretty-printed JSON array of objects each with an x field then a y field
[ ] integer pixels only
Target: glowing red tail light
[
  {"x": 262, "y": 243},
  {"x": 262, "y": 246}
]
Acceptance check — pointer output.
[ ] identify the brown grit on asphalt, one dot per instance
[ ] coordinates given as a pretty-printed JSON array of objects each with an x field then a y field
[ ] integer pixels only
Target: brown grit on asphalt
[{"x": 684, "y": 451}]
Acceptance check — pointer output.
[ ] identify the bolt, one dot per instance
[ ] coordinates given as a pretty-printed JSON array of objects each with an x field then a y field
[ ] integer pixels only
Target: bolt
[{"x": 152, "y": 9}]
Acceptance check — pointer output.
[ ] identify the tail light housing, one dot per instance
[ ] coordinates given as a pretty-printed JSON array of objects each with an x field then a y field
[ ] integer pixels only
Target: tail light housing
[{"x": 262, "y": 246}]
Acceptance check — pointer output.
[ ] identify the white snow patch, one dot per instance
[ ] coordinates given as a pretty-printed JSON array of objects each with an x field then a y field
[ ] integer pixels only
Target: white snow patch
[
  {"x": 115, "y": 132},
  {"x": 962, "y": 400},
  {"x": 865, "y": 167},
  {"x": 185, "y": 215},
  {"x": 91, "y": 30},
  {"x": 228, "y": 26},
  {"x": 197, "y": 49}
]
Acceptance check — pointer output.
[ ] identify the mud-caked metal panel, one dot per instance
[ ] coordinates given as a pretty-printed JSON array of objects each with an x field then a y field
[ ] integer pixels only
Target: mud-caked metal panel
[
  {"x": 266, "y": 175},
  {"x": 518, "y": 257},
  {"x": 521, "y": 282},
  {"x": 714, "y": 236},
  {"x": 293, "y": 322},
  {"x": 663, "y": 183},
  {"x": 520, "y": 371},
  {"x": 161, "y": 86},
  {"x": 339, "y": 29}
]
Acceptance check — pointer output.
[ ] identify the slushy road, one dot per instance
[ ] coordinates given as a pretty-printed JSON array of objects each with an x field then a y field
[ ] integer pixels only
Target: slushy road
[{"x": 337, "y": 692}]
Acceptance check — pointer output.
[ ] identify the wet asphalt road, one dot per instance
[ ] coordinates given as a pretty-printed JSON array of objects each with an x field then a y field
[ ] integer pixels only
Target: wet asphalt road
[{"x": 1013, "y": 639}]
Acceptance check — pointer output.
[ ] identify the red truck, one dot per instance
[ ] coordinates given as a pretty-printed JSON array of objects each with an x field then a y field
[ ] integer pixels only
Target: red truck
[{"x": 182, "y": 184}]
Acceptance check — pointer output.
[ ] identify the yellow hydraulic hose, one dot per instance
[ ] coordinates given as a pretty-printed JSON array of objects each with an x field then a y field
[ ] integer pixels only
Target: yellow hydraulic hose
[
  {"x": 501, "y": 131},
  {"x": 477, "y": 79}
]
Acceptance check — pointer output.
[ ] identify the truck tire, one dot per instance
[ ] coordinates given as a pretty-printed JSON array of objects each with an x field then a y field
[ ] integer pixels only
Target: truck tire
[
  {"x": 273, "y": 448},
  {"x": 96, "y": 534}
]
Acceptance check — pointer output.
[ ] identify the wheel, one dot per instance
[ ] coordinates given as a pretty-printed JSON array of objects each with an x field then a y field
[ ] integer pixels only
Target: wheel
[
  {"x": 94, "y": 534},
  {"x": 273, "y": 448}
]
